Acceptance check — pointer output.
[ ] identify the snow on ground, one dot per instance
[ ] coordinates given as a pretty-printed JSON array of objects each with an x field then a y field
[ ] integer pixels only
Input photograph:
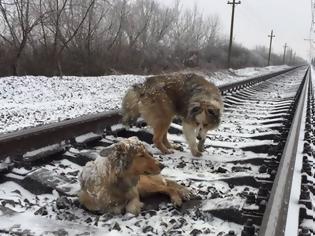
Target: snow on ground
[
  {"x": 208, "y": 176},
  {"x": 29, "y": 101},
  {"x": 230, "y": 76}
]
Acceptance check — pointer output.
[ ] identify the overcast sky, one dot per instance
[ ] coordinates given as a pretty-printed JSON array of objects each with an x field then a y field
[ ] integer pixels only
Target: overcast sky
[{"x": 254, "y": 20}]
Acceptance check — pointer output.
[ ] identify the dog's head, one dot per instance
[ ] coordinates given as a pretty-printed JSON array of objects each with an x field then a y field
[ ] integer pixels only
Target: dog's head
[
  {"x": 131, "y": 157},
  {"x": 205, "y": 113}
]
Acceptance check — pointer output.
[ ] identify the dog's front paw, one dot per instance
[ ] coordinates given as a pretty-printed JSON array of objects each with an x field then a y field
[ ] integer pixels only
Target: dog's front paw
[
  {"x": 196, "y": 153},
  {"x": 167, "y": 151},
  {"x": 163, "y": 149},
  {"x": 201, "y": 146},
  {"x": 185, "y": 193},
  {"x": 177, "y": 200},
  {"x": 177, "y": 147},
  {"x": 117, "y": 210},
  {"x": 134, "y": 207}
]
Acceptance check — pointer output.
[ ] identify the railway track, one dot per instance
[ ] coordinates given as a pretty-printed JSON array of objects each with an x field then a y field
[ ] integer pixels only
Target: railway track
[{"x": 255, "y": 178}]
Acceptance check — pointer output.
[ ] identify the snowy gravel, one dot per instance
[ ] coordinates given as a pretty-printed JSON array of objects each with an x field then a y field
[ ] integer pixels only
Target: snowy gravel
[
  {"x": 219, "y": 178},
  {"x": 30, "y": 101}
]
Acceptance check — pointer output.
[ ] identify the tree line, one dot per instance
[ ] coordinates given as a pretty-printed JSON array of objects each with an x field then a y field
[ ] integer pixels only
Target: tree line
[{"x": 97, "y": 37}]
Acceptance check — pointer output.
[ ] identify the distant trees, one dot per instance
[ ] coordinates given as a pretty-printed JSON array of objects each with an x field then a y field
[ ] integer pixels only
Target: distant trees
[
  {"x": 18, "y": 18},
  {"x": 94, "y": 37}
]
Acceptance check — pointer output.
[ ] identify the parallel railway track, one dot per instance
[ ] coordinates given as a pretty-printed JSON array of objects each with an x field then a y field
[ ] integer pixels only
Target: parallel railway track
[{"x": 247, "y": 183}]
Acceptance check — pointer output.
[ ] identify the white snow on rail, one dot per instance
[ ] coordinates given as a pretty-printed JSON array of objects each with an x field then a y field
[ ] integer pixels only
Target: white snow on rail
[
  {"x": 83, "y": 138},
  {"x": 40, "y": 151}
]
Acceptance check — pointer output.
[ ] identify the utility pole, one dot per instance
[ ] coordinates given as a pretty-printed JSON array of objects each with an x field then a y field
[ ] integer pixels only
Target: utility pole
[
  {"x": 285, "y": 49},
  {"x": 271, "y": 37},
  {"x": 231, "y": 32}
]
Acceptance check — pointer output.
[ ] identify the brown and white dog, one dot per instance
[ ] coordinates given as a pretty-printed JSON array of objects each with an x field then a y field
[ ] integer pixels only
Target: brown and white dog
[
  {"x": 189, "y": 96},
  {"x": 114, "y": 183}
]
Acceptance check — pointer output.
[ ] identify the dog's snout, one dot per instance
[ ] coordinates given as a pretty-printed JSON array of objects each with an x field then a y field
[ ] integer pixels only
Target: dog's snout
[{"x": 161, "y": 166}]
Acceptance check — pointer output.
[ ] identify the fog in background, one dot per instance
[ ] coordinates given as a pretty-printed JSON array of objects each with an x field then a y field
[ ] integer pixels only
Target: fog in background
[{"x": 254, "y": 20}]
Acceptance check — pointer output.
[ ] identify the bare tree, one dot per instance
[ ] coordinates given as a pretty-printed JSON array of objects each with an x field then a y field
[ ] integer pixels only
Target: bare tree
[
  {"x": 20, "y": 19},
  {"x": 65, "y": 26},
  {"x": 93, "y": 37}
]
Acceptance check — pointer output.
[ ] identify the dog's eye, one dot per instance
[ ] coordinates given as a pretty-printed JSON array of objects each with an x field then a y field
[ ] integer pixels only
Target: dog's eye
[
  {"x": 196, "y": 110},
  {"x": 211, "y": 112}
]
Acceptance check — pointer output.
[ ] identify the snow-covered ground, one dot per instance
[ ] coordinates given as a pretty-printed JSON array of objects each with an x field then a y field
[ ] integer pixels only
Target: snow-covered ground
[
  {"x": 29, "y": 101},
  {"x": 217, "y": 177}
]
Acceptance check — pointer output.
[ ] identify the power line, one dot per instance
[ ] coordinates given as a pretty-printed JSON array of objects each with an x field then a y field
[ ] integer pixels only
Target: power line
[{"x": 231, "y": 32}]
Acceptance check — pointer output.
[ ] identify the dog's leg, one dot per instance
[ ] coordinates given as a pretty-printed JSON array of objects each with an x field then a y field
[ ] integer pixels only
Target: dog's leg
[
  {"x": 149, "y": 185},
  {"x": 134, "y": 205},
  {"x": 166, "y": 142},
  {"x": 169, "y": 145},
  {"x": 201, "y": 143},
  {"x": 158, "y": 115},
  {"x": 160, "y": 130},
  {"x": 190, "y": 135}
]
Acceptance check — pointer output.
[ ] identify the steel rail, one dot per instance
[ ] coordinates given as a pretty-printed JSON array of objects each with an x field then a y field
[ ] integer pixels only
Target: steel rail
[
  {"x": 19, "y": 142},
  {"x": 245, "y": 83},
  {"x": 274, "y": 220},
  {"x": 16, "y": 143}
]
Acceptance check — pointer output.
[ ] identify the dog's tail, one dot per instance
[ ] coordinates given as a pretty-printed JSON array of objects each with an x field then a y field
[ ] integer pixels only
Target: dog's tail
[{"x": 130, "y": 106}]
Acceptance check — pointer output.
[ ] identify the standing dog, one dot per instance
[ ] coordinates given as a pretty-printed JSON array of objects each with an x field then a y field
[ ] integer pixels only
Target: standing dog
[
  {"x": 113, "y": 183},
  {"x": 190, "y": 96}
]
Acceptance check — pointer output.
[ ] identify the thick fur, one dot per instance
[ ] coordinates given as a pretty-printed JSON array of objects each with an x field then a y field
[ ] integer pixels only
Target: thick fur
[
  {"x": 108, "y": 184},
  {"x": 112, "y": 183},
  {"x": 189, "y": 96}
]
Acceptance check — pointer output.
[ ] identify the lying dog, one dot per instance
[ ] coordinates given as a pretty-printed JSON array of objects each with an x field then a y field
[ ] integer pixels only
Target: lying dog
[
  {"x": 190, "y": 96},
  {"x": 113, "y": 183}
]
